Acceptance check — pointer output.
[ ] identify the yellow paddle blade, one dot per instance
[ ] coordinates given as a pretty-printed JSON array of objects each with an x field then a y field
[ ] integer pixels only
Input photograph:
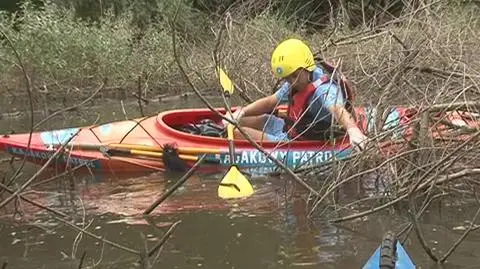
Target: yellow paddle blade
[
  {"x": 234, "y": 185},
  {"x": 225, "y": 81}
]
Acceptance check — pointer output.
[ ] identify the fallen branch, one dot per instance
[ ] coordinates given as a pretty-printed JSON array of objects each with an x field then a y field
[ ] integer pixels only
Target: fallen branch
[
  {"x": 449, "y": 155},
  {"x": 164, "y": 239},
  {"x": 362, "y": 39},
  {"x": 371, "y": 211},
  {"x": 446, "y": 178},
  {"x": 80, "y": 264},
  {"x": 352, "y": 177},
  {"x": 345, "y": 39},
  {"x": 414, "y": 189},
  {"x": 419, "y": 232},
  {"x": 431, "y": 70},
  {"x": 464, "y": 235},
  {"x": 58, "y": 213},
  {"x": 456, "y": 105},
  {"x": 427, "y": 202}
]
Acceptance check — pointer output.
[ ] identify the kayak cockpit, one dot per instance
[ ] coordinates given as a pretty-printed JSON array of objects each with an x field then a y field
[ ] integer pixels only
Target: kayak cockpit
[{"x": 205, "y": 127}]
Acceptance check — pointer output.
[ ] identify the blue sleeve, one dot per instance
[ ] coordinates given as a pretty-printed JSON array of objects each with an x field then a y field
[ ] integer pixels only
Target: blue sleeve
[
  {"x": 329, "y": 94},
  {"x": 282, "y": 93}
]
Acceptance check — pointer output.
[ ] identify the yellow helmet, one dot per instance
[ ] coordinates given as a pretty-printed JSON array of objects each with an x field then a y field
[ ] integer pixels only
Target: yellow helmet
[{"x": 290, "y": 55}]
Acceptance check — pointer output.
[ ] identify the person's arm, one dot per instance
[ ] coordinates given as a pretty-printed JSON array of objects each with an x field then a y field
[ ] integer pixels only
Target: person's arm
[
  {"x": 343, "y": 117},
  {"x": 335, "y": 103},
  {"x": 264, "y": 105},
  {"x": 260, "y": 106}
]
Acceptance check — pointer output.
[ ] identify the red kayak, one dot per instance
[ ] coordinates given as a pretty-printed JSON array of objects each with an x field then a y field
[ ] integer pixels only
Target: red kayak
[{"x": 140, "y": 145}]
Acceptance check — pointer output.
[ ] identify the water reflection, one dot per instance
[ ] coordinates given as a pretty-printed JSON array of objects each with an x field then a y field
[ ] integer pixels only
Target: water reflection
[{"x": 268, "y": 230}]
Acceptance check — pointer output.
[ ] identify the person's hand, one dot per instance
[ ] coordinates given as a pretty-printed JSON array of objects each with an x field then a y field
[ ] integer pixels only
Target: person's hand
[
  {"x": 236, "y": 116},
  {"x": 357, "y": 139}
]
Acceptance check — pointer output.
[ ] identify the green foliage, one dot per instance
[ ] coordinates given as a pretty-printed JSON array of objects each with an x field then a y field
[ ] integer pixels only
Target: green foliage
[
  {"x": 145, "y": 13},
  {"x": 70, "y": 41},
  {"x": 14, "y": 5},
  {"x": 57, "y": 46}
]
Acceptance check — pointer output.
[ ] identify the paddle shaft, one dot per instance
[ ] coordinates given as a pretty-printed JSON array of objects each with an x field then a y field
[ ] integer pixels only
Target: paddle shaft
[
  {"x": 184, "y": 150},
  {"x": 231, "y": 146},
  {"x": 124, "y": 151},
  {"x": 144, "y": 150}
]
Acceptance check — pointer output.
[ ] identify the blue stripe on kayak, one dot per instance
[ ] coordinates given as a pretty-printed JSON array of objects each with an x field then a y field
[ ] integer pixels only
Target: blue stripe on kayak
[
  {"x": 292, "y": 158},
  {"x": 45, "y": 155},
  {"x": 403, "y": 260}
]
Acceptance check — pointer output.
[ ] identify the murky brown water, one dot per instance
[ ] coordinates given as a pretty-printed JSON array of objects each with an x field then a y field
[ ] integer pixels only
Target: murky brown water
[{"x": 267, "y": 230}]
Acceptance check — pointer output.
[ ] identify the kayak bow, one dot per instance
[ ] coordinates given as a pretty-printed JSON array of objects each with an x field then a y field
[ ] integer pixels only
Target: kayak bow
[{"x": 390, "y": 255}]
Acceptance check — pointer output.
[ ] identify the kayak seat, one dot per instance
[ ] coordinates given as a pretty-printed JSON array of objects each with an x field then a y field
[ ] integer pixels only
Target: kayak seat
[{"x": 205, "y": 127}]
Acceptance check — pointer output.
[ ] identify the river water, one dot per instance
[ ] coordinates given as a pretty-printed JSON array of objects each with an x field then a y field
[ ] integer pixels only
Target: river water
[{"x": 268, "y": 230}]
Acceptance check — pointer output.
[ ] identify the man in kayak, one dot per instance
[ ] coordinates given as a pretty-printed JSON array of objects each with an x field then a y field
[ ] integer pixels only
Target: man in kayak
[{"x": 314, "y": 102}]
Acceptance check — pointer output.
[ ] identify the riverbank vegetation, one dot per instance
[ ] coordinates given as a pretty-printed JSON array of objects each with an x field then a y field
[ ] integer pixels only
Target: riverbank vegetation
[
  {"x": 417, "y": 53},
  {"x": 73, "y": 44}
]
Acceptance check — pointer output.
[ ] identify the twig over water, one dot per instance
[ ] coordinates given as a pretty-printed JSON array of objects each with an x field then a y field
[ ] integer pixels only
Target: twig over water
[
  {"x": 111, "y": 243},
  {"x": 51, "y": 210},
  {"x": 464, "y": 235},
  {"x": 176, "y": 186},
  {"x": 71, "y": 107},
  {"x": 164, "y": 238},
  {"x": 80, "y": 264},
  {"x": 28, "y": 182},
  {"x": 61, "y": 219}
]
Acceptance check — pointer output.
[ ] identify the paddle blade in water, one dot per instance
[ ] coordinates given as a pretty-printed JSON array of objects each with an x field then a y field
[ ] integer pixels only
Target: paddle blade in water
[
  {"x": 172, "y": 161},
  {"x": 234, "y": 185},
  {"x": 225, "y": 81}
]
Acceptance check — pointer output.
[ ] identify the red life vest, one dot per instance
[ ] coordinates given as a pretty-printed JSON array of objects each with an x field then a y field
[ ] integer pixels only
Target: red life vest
[
  {"x": 300, "y": 100},
  {"x": 301, "y": 121}
]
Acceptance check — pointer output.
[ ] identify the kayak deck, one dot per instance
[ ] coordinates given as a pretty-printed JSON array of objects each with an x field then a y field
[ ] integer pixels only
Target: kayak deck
[
  {"x": 389, "y": 255},
  {"x": 159, "y": 130}
]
